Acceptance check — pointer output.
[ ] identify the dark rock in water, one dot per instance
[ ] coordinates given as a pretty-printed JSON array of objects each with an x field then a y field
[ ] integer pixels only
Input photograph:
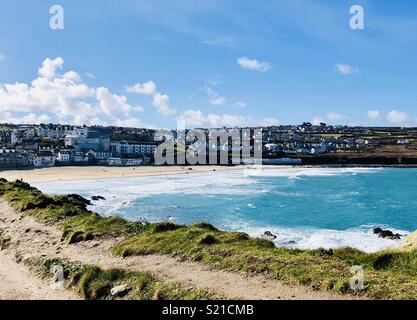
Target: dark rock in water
[
  {"x": 289, "y": 243},
  {"x": 377, "y": 230},
  {"x": 387, "y": 234},
  {"x": 268, "y": 235},
  {"x": 97, "y": 198}
]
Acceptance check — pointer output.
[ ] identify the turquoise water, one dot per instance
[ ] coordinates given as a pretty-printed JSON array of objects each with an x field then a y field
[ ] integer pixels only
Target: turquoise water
[{"x": 305, "y": 208}]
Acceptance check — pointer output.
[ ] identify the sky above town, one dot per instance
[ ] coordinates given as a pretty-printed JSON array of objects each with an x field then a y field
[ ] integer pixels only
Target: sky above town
[{"x": 163, "y": 64}]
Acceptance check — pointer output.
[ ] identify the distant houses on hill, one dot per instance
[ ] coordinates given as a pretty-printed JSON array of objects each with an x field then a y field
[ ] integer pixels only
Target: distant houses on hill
[{"x": 48, "y": 145}]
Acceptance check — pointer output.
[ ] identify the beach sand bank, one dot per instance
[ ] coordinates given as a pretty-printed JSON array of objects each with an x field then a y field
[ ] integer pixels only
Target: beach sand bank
[{"x": 96, "y": 172}]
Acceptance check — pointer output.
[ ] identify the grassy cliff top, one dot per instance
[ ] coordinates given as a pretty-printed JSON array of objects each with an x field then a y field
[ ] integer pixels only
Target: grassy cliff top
[{"x": 388, "y": 274}]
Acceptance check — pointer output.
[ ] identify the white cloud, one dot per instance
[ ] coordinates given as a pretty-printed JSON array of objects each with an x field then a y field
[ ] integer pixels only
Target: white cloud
[
  {"x": 112, "y": 104},
  {"x": 346, "y": 69},
  {"x": 196, "y": 118},
  {"x": 160, "y": 101},
  {"x": 221, "y": 41},
  {"x": 374, "y": 115},
  {"x": 132, "y": 123},
  {"x": 219, "y": 101},
  {"x": 253, "y": 64},
  {"x": 147, "y": 88},
  {"x": 333, "y": 117},
  {"x": 215, "y": 98},
  {"x": 398, "y": 117},
  {"x": 214, "y": 82},
  {"x": 269, "y": 122},
  {"x": 162, "y": 104},
  {"x": 317, "y": 120},
  {"x": 241, "y": 104},
  {"x": 30, "y": 118},
  {"x": 62, "y": 97},
  {"x": 50, "y": 67}
]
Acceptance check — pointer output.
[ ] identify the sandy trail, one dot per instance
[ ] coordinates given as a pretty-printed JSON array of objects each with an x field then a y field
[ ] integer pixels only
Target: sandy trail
[
  {"x": 29, "y": 238},
  {"x": 97, "y": 172},
  {"x": 18, "y": 283}
]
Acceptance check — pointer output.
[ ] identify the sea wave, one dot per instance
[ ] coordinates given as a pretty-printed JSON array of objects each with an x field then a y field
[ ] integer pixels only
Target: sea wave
[
  {"x": 211, "y": 183},
  {"x": 361, "y": 238},
  {"x": 294, "y": 173}
]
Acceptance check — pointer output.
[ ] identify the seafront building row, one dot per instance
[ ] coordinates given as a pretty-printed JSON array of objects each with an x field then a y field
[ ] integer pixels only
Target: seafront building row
[
  {"x": 49, "y": 145},
  {"x": 38, "y": 147}
]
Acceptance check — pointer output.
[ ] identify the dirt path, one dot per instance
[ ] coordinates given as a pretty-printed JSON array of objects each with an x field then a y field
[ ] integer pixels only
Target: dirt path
[
  {"x": 29, "y": 238},
  {"x": 17, "y": 283}
]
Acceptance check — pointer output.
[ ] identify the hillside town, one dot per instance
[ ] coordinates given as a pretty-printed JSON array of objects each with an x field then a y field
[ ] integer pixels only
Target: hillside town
[
  {"x": 56, "y": 145},
  {"x": 48, "y": 145}
]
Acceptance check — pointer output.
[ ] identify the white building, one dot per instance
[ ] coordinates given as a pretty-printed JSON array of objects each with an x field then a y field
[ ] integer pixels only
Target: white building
[
  {"x": 43, "y": 159},
  {"x": 403, "y": 141},
  {"x": 77, "y": 131},
  {"x": 64, "y": 157},
  {"x": 100, "y": 155},
  {"x": 92, "y": 141},
  {"x": 114, "y": 161},
  {"x": 124, "y": 162},
  {"x": 80, "y": 158},
  {"x": 124, "y": 148}
]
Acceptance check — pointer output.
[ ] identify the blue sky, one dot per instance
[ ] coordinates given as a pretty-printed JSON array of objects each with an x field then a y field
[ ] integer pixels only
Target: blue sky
[{"x": 208, "y": 63}]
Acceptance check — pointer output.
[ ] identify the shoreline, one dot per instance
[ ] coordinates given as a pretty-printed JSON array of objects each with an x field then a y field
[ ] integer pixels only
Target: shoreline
[
  {"x": 53, "y": 174},
  {"x": 73, "y": 173}
]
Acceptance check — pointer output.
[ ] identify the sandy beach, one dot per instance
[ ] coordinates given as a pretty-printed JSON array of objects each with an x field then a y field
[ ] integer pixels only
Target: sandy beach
[{"x": 92, "y": 173}]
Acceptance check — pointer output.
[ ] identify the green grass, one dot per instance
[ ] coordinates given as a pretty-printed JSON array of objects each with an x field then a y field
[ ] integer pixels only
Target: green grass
[
  {"x": 94, "y": 283},
  {"x": 388, "y": 275},
  {"x": 70, "y": 212}
]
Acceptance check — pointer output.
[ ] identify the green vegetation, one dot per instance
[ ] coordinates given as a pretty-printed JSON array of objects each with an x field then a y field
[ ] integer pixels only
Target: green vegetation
[
  {"x": 388, "y": 274},
  {"x": 70, "y": 212},
  {"x": 94, "y": 283}
]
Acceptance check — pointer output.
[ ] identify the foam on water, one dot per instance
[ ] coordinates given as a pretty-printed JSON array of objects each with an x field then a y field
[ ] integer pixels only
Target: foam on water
[
  {"x": 294, "y": 173},
  {"x": 361, "y": 238}
]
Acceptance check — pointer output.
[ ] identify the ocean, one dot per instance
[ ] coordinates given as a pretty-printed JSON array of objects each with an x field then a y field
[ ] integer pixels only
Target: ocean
[{"x": 306, "y": 208}]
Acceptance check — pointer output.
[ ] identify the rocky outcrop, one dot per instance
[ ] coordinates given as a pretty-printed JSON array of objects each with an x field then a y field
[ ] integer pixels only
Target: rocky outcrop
[
  {"x": 97, "y": 198},
  {"x": 387, "y": 234},
  {"x": 268, "y": 235}
]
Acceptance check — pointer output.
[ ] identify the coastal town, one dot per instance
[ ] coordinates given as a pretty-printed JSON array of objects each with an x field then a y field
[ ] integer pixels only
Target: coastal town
[{"x": 48, "y": 145}]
